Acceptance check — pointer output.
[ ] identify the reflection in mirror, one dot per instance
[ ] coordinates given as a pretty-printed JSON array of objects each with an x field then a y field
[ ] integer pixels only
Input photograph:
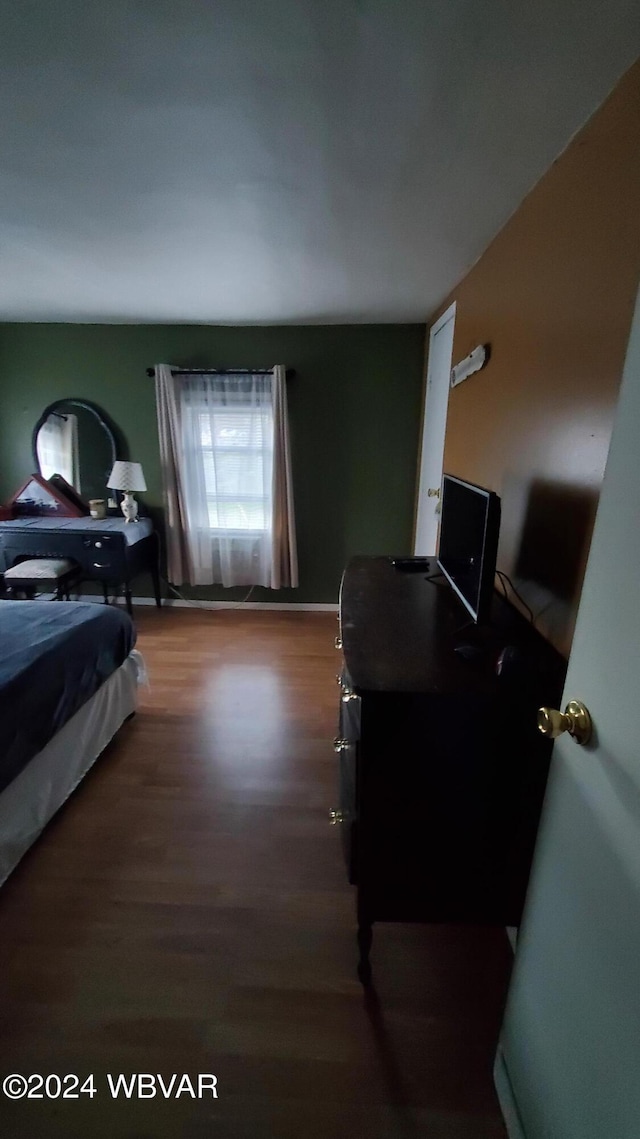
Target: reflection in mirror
[
  {"x": 57, "y": 447},
  {"x": 73, "y": 439}
]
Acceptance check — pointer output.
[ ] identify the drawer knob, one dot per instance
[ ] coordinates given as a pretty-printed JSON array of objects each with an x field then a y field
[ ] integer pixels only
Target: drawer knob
[
  {"x": 336, "y": 817},
  {"x": 98, "y": 545},
  {"x": 338, "y": 642},
  {"x": 347, "y": 695},
  {"x": 340, "y": 744}
]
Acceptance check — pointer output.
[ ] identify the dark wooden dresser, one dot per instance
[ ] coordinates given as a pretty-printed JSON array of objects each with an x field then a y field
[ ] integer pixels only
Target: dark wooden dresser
[
  {"x": 108, "y": 550},
  {"x": 442, "y": 769}
]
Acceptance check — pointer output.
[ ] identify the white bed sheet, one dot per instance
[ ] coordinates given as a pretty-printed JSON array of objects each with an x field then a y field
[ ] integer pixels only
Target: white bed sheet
[{"x": 35, "y": 795}]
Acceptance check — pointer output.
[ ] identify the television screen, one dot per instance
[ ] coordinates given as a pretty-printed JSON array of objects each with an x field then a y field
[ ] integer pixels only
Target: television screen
[{"x": 469, "y": 525}]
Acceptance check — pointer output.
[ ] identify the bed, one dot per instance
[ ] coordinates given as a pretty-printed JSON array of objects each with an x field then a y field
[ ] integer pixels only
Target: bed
[{"x": 68, "y": 680}]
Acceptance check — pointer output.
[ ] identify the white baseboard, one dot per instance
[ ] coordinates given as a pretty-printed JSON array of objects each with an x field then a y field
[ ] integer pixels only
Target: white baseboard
[
  {"x": 506, "y": 1098},
  {"x": 284, "y": 606},
  {"x": 179, "y": 603}
]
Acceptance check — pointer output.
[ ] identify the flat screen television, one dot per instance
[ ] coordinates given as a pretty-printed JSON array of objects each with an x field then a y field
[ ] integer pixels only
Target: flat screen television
[{"x": 468, "y": 547}]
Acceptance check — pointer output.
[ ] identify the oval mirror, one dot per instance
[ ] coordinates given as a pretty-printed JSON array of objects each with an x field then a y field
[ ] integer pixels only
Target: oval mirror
[{"x": 72, "y": 438}]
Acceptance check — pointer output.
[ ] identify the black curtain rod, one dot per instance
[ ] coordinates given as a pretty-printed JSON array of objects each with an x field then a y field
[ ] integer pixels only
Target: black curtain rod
[{"x": 225, "y": 372}]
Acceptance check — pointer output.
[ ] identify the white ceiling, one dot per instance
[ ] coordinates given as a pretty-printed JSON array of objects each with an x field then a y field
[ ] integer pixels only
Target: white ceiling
[{"x": 246, "y": 161}]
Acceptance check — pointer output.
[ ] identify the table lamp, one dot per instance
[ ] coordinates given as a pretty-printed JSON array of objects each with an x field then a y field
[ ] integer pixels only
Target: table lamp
[{"x": 127, "y": 477}]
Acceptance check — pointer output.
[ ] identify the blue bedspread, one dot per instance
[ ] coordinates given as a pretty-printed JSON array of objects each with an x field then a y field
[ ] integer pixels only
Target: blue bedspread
[{"x": 53, "y": 657}]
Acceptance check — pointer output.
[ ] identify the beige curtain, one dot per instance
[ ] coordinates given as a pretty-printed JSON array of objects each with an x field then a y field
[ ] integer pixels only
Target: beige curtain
[
  {"x": 284, "y": 555},
  {"x": 179, "y": 570}
]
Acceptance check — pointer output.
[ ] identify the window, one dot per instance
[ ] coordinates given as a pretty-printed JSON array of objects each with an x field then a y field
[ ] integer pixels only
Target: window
[
  {"x": 224, "y": 448},
  {"x": 227, "y": 444},
  {"x": 237, "y": 455}
]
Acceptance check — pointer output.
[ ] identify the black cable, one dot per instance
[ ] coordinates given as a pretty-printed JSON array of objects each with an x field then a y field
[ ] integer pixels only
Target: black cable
[
  {"x": 502, "y": 575},
  {"x": 201, "y": 603},
  {"x": 521, "y": 599},
  {"x": 437, "y": 577}
]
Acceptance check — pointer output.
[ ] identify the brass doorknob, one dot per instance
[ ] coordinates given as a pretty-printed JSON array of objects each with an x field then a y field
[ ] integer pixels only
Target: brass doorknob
[{"x": 575, "y": 720}]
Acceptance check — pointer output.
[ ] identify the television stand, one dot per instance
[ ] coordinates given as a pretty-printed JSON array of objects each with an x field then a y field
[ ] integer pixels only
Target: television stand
[{"x": 442, "y": 770}]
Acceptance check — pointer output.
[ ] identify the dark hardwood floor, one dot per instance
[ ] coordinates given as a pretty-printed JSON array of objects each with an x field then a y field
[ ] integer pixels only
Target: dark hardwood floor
[{"x": 187, "y": 911}]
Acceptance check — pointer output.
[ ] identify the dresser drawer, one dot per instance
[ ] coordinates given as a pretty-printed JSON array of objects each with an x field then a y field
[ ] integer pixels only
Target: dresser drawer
[
  {"x": 103, "y": 542},
  {"x": 104, "y": 570},
  {"x": 347, "y": 799},
  {"x": 350, "y": 704},
  {"x": 348, "y": 760},
  {"x": 104, "y": 554}
]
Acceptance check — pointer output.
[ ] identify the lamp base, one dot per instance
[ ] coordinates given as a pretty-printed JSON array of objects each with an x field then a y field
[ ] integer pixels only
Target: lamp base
[{"x": 129, "y": 507}]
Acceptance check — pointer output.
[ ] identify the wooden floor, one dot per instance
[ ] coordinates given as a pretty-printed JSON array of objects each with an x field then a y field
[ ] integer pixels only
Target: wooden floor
[{"x": 187, "y": 911}]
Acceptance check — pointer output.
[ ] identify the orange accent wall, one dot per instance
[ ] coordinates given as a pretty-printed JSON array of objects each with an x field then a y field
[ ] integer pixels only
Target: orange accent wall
[{"x": 553, "y": 295}]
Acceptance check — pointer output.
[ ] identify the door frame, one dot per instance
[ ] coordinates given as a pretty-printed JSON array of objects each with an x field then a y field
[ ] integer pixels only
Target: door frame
[{"x": 447, "y": 315}]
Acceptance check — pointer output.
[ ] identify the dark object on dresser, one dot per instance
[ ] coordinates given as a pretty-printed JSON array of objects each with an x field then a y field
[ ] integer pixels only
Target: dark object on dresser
[
  {"x": 37, "y": 497},
  {"x": 105, "y": 550},
  {"x": 70, "y": 493},
  {"x": 442, "y": 769},
  {"x": 416, "y": 564}
]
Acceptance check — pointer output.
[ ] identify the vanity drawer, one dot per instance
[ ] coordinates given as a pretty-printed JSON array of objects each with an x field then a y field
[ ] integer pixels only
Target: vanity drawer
[
  {"x": 104, "y": 570},
  {"x": 97, "y": 554},
  {"x": 18, "y": 547},
  {"x": 104, "y": 545},
  {"x": 103, "y": 554}
]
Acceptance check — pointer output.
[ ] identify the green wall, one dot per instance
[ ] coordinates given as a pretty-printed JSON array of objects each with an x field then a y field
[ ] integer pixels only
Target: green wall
[{"x": 354, "y": 411}]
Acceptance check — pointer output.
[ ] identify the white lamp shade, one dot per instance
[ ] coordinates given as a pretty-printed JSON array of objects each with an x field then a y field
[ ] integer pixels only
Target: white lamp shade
[{"x": 126, "y": 476}]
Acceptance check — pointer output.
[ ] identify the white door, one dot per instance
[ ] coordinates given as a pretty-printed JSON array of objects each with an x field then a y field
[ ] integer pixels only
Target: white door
[
  {"x": 568, "y": 1065},
  {"x": 433, "y": 431}
]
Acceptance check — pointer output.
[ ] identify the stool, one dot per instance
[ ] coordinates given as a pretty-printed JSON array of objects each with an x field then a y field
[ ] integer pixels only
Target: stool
[{"x": 58, "y": 573}]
